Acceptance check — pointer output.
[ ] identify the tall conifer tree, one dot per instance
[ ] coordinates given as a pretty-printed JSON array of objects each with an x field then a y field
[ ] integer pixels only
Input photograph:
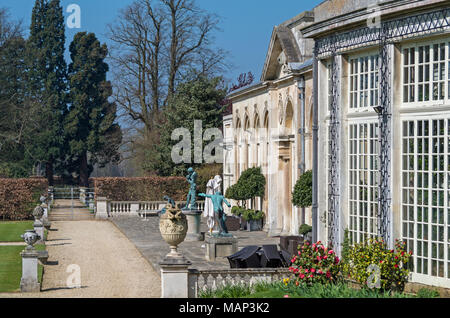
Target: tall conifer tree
[
  {"x": 48, "y": 81},
  {"x": 93, "y": 135}
]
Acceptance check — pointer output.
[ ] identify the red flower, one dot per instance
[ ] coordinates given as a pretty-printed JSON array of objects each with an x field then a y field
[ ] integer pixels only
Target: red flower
[
  {"x": 297, "y": 283},
  {"x": 302, "y": 276},
  {"x": 311, "y": 276},
  {"x": 313, "y": 270},
  {"x": 328, "y": 274},
  {"x": 306, "y": 270},
  {"x": 325, "y": 257},
  {"x": 396, "y": 266}
]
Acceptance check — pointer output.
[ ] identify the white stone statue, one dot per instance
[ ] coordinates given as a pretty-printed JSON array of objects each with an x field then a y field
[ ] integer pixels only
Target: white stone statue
[{"x": 212, "y": 187}]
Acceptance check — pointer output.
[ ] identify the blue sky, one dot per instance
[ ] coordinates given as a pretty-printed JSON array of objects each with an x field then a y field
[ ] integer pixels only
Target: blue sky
[{"x": 246, "y": 25}]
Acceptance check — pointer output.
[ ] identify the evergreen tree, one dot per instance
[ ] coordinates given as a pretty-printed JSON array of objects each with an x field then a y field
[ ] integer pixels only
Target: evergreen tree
[
  {"x": 197, "y": 99},
  {"x": 93, "y": 136},
  {"x": 48, "y": 82}
]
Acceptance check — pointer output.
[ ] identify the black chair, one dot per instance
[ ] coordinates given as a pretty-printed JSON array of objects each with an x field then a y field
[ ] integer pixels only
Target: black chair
[
  {"x": 270, "y": 257},
  {"x": 286, "y": 257},
  {"x": 246, "y": 258},
  {"x": 284, "y": 241}
]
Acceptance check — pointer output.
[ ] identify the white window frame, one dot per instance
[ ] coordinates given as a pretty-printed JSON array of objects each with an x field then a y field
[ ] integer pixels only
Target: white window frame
[
  {"x": 446, "y": 75},
  {"x": 372, "y": 56},
  {"x": 413, "y": 220},
  {"x": 358, "y": 234}
]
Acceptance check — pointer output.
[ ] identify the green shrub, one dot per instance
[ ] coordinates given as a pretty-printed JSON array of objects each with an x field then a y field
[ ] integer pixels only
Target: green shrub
[
  {"x": 251, "y": 184},
  {"x": 315, "y": 263},
  {"x": 392, "y": 264},
  {"x": 302, "y": 195},
  {"x": 237, "y": 210},
  {"x": 288, "y": 288},
  {"x": 252, "y": 215},
  {"x": 427, "y": 293},
  {"x": 305, "y": 229}
]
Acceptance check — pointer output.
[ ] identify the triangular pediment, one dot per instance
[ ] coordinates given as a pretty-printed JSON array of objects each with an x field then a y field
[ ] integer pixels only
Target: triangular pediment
[{"x": 283, "y": 49}]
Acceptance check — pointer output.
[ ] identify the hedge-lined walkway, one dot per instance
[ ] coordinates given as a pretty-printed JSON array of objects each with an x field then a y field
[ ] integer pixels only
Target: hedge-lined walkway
[{"x": 110, "y": 264}]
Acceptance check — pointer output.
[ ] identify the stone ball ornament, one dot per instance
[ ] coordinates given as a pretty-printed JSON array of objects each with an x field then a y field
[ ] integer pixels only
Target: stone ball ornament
[{"x": 30, "y": 237}]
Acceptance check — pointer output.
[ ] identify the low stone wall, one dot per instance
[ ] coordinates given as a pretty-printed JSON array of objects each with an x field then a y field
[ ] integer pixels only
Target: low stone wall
[{"x": 213, "y": 279}]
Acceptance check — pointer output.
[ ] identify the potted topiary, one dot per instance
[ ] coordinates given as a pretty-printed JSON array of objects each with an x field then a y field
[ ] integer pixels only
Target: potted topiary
[
  {"x": 302, "y": 198},
  {"x": 253, "y": 219},
  {"x": 251, "y": 184},
  {"x": 305, "y": 231}
]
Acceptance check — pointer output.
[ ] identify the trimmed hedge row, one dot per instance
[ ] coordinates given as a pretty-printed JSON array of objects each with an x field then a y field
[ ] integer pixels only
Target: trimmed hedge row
[
  {"x": 18, "y": 197},
  {"x": 141, "y": 189}
]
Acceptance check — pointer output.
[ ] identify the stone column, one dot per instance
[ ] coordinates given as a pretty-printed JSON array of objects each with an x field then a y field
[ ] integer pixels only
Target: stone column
[
  {"x": 29, "y": 282},
  {"x": 102, "y": 208}
]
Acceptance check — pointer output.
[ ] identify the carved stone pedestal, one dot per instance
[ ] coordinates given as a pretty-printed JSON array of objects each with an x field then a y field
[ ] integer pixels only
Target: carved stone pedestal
[
  {"x": 220, "y": 247},
  {"x": 29, "y": 282},
  {"x": 39, "y": 229},
  {"x": 194, "y": 220}
]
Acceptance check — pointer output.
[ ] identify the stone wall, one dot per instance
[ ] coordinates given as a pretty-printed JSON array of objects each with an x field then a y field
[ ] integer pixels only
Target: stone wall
[{"x": 333, "y": 8}]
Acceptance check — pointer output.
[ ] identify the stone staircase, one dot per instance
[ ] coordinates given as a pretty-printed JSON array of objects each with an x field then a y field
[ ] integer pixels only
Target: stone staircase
[{"x": 62, "y": 211}]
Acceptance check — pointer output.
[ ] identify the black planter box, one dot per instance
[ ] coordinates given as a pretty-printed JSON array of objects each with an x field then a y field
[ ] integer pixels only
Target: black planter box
[{"x": 233, "y": 223}]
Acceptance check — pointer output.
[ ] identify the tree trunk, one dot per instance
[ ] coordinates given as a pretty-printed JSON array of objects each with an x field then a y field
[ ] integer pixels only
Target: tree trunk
[
  {"x": 84, "y": 171},
  {"x": 49, "y": 172}
]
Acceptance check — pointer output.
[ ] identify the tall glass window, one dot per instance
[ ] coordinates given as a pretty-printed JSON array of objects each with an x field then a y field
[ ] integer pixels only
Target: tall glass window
[
  {"x": 426, "y": 76},
  {"x": 363, "y": 180},
  {"x": 364, "y": 81},
  {"x": 426, "y": 194}
]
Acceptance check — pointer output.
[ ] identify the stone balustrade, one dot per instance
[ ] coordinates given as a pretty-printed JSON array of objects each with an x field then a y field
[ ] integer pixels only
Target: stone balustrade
[
  {"x": 133, "y": 208},
  {"x": 201, "y": 281},
  {"x": 197, "y": 281}
]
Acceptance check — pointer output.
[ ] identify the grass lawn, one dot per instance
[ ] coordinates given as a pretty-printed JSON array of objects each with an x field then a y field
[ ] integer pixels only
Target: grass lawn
[
  {"x": 11, "y": 268},
  {"x": 11, "y": 231}
]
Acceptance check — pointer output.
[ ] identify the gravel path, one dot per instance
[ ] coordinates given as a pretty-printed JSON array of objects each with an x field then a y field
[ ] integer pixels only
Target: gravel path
[{"x": 111, "y": 266}]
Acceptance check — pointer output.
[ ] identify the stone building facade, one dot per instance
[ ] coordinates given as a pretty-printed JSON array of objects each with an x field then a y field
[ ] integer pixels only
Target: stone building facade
[
  {"x": 263, "y": 130},
  {"x": 380, "y": 125}
]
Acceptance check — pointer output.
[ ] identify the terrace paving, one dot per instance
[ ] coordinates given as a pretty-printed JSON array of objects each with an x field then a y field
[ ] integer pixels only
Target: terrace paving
[{"x": 147, "y": 239}]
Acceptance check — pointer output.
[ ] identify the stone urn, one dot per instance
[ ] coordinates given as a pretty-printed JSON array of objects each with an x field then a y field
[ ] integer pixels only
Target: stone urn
[
  {"x": 173, "y": 226},
  {"x": 30, "y": 237},
  {"x": 38, "y": 212}
]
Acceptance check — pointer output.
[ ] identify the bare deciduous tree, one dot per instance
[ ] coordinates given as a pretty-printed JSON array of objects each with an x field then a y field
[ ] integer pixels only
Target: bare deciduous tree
[{"x": 159, "y": 43}]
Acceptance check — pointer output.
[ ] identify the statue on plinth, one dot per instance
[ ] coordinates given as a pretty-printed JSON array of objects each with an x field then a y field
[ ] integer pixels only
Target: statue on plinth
[
  {"x": 192, "y": 195},
  {"x": 170, "y": 204},
  {"x": 218, "y": 200},
  {"x": 212, "y": 187}
]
